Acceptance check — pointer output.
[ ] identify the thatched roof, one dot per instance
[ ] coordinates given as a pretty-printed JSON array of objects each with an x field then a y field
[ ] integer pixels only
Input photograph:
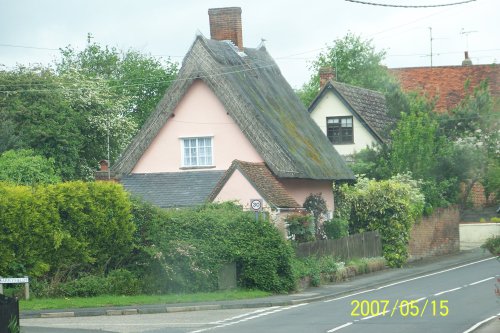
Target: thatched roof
[
  {"x": 255, "y": 94},
  {"x": 368, "y": 106},
  {"x": 262, "y": 179}
]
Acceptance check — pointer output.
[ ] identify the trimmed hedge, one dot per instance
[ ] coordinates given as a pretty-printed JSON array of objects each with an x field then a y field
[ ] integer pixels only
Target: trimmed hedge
[{"x": 63, "y": 229}]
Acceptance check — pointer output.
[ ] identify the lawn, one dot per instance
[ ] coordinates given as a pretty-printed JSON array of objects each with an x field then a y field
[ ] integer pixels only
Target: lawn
[{"x": 103, "y": 301}]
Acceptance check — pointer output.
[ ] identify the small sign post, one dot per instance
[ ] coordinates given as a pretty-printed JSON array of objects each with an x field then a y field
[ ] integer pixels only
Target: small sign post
[
  {"x": 256, "y": 205},
  {"x": 24, "y": 280}
]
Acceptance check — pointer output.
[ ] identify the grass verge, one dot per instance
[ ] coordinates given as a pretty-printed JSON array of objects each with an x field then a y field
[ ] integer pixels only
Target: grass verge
[{"x": 113, "y": 300}]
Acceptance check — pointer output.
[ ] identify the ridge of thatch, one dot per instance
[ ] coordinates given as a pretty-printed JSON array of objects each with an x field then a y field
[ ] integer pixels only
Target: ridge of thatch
[{"x": 260, "y": 101}]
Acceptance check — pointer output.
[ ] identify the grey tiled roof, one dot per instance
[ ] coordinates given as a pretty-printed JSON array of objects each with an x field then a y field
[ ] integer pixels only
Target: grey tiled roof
[
  {"x": 369, "y": 106},
  {"x": 173, "y": 189}
]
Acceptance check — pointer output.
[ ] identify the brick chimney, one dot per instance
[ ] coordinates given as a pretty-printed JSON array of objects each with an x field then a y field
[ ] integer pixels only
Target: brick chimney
[
  {"x": 467, "y": 61},
  {"x": 326, "y": 74},
  {"x": 225, "y": 24},
  {"x": 104, "y": 173}
]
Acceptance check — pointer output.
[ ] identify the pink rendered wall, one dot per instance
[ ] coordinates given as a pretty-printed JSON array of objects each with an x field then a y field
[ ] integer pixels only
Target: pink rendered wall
[
  {"x": 238, "y": 188},
  {"x": 199, "y": 113},
  {"x": 300, "y": 189}
]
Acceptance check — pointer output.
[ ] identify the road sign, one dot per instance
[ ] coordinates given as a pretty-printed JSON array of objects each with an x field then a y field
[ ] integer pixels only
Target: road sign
[
  {"x": 14, "y": 280},
  {"x": 256, "y": 204}
]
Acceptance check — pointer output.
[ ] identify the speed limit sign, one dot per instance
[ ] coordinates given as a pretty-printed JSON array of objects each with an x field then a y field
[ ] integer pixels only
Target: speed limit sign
[{"x": 256, "y": 204}]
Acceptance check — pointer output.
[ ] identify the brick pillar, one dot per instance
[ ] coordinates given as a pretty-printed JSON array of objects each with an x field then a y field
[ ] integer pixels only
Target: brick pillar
[{"x": 225, "y": 24}]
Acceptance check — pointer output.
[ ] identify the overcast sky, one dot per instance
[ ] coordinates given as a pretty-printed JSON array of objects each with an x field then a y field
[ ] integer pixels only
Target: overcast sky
[{"x": 31, "y": 31}]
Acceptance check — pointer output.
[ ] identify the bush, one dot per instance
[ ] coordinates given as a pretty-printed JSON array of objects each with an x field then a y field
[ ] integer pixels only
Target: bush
[
  {"x": 389, "y": 206},
  {"x": 64, "y": 228},
  {"x": 182, "y": 250},
  {"x": 123, "y": 282},
  {"x": 336, "y": 228},
  {"x": 316, "y": 206},
  {"x": 86, "y": 286},
  {"x": 492, "y": 244},
  {"x": 300, "y": 227}
]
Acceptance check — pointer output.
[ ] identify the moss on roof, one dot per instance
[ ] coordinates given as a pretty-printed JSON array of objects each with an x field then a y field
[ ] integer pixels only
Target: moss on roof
[{"x": 258, "y": 98}]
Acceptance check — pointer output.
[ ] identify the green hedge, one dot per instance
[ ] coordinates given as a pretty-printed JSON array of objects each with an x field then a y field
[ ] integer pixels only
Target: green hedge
[
  {"x": 182, "y": 250},
  {"x": 63, "y": 229}
]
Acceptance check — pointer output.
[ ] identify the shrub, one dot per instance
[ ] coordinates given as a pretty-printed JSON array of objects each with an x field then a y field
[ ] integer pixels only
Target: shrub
[
  {"x": 182, "y": 250},
  {"x": 336, "y": 228},
  {"x": 316, "y": 206},
  {"x": 300, "y": 227},
  {"x": 492, "y": 244},
  {"x": 63, "y": 228},
  {"x": 84, "y": 286},
  {"x": 123, "y": 282},
  {"x": 389, "y": 206}
]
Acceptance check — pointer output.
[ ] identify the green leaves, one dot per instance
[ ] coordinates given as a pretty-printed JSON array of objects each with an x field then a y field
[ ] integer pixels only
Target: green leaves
[
  {"x": 187, "y": 247},
  {"x": 65, "y": 228},
  {"x": 356, "y": 62},
  {"x": 389, "y": 206},
  {"x": 69, "y": 113},
  {"x": 23, "y": 167}
]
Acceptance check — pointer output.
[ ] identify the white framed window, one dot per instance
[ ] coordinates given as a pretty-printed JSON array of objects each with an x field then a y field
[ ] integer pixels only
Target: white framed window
[{"x": 197, "y": 152}]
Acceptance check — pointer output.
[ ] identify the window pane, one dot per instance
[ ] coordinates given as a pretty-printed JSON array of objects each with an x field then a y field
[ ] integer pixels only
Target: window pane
[{"x": 197, "y": 151}]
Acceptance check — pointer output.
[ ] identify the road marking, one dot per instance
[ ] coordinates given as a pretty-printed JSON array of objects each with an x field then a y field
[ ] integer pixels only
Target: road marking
[
  {"x": 435, "y": 273},
  {"x": 478, "y": 282},
  {"x": 413, "y": 279},
  {"x": 471, "y": 329},
  {"x": 447, "y": 291},
  {"x": 246, "y": 318},
  {"x": 350, "y": 295},
  {"x": 339, "y": 327},
  {"x": 244, "y": 315}
]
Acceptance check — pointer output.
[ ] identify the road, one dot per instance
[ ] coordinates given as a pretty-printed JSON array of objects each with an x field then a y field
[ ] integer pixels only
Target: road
[{"x": 450, "y": 300}]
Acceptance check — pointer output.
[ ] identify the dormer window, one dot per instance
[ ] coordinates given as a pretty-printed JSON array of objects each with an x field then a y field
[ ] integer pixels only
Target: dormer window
[
  {"x": 339, "y": 130},
  {"x": 197, "y": 152}
]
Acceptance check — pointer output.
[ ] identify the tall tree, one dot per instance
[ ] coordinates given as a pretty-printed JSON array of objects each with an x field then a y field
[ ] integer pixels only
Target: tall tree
[
  {"x": 141, "y": 78},
  {"x": 36, "y": 115},
  {"x": 474, "y": 124},
  {"x": 85, "y": 109},
  {"x": 358, "y": 63}
]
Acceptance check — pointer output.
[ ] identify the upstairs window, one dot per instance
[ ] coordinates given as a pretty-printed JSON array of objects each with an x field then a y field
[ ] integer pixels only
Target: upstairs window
[
  {"x": 197, "y": 152},
  {"x": 339, "y": 130}
]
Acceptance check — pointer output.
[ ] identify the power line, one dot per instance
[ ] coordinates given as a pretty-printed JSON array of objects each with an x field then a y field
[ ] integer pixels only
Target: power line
[
  {"x": 29, "y": 47},
  {"x": 410, "y": 6}
]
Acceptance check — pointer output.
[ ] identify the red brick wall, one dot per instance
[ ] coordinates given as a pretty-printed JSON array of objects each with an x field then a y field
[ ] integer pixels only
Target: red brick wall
[
  {"x": 225, "y": 24},
  {"x": 437, "y": 234},
  {"x": 477, "y": 196}
]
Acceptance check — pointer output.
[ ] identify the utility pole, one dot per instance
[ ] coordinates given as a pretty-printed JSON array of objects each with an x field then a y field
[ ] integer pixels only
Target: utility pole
[
  {"x": 89, "y": 37},
  {"x": 466, "y": 33},
  {"x": 430, "y": 32}
]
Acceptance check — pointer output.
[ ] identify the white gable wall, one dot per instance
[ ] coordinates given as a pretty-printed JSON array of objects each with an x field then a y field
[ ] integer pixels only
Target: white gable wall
[{"x": 331, "y": 106}]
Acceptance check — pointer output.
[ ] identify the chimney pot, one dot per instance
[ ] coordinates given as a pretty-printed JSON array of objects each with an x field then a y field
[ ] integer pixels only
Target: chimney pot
[
  {"x": 103, "y": 165},
  {"x": 326, "y": 74},
  {"x": 225, "y": 24},
  {"x": 466, "y": 61}
]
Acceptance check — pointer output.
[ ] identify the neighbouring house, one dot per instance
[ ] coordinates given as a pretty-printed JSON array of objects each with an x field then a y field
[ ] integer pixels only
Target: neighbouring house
[
  {"x": 352, "y": 118},
  {"x": 230, "y": 128},
  {"x": 447, "y": 83}
]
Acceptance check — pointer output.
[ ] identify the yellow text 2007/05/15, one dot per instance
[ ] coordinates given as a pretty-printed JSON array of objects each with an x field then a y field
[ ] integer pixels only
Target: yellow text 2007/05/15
[{"x": 403, "y": 308}]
